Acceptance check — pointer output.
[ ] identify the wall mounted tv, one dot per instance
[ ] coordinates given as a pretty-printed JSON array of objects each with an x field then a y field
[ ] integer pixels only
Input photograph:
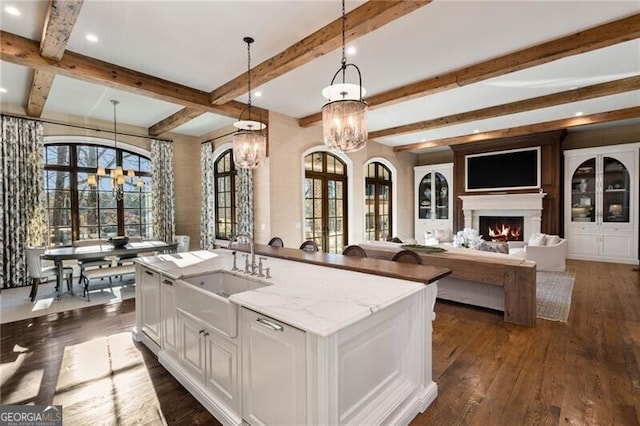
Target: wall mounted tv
[{"x": 503, "y": 170}]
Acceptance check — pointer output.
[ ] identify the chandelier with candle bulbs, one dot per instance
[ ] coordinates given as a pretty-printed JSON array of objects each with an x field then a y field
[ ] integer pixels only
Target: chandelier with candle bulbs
[
  {"x": 249, "y": 142},
  {"x": 344, "y": 116},
  {"x": 116, "y": 176}
]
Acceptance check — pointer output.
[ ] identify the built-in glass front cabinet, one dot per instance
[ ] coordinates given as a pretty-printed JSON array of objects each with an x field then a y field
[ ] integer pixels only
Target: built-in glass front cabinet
[
  {"x": 600, "y": 191},
  {"x": 433, "y": 185}
]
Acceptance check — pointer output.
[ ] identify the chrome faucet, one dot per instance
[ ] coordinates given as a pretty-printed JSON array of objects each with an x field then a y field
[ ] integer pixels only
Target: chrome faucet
[{"x": 252, "y": 267}]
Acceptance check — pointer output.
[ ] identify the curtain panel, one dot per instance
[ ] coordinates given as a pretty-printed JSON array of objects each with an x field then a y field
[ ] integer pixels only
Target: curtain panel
[
  {"x": 207, "y": 198},
  {"x": 22, "y": 215},
  {"x": 163, "y": 190}
]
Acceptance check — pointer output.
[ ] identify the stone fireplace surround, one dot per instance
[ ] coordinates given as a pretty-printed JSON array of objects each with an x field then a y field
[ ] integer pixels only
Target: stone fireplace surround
[{"x": 529, "y": 206}]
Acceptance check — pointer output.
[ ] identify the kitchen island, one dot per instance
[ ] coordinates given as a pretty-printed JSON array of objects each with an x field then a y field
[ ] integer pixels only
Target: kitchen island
[{"x": 325, "y": 340}]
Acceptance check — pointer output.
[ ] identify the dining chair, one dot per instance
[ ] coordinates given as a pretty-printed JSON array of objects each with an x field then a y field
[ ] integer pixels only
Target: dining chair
[
  {"x": 309, "y": 246},
  {"x": 276, "y": 242},
  {"x": 183, "y": 243},
  {"x": 354, "y": 251},
  {"x": 88, "y": 263},
  {"x": 38, "y": 272},
  {"x": 128, "y": 258},
  {"x": 407, "y": 256}
]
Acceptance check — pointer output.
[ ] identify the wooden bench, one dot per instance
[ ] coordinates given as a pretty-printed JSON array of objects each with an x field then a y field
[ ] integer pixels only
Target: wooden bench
[{"x": 109, "y": 272}]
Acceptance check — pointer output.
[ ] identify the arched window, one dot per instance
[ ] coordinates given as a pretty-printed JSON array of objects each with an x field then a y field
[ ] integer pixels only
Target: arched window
[
  {"x": 378, "y": 208},
  {"x": 325, "y": 198},
  {"x": 225, "y": 188},
  {"x": 76, "y": 210}
]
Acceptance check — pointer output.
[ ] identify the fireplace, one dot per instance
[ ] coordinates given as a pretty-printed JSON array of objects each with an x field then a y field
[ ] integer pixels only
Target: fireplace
[
  {"x": 502, "y": 228},
  {"x": 527, "y": 206}
]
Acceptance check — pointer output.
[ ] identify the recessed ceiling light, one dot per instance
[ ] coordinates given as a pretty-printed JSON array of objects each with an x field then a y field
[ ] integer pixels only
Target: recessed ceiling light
[
  {"x": 92, "y": 38},
  {"x": 257, "y": 94},
  {"x": 351, "y": 50},
  {"x": 3, "y": 90},
  {"x": 423, "y": 140},
  {"x": 578, "y": 114},
  {"x": 11, "y": 10},
  {"x": 476, "y": 131}
]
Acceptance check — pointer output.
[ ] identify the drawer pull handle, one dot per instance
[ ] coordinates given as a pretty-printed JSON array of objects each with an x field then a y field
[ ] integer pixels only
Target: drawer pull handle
[
  {"x": 148, "y": 273},
  {"x": 269, "y": 324},
  {"x": 167, "y": 282}
]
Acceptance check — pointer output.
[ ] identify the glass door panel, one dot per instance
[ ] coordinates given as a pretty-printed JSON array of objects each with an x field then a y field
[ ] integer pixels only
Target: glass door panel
[
  {"x": 616, "y": 196},
  {"x": 583, "y": 192},
  {"x": 424, "y": 197},
  {"x": 441, "y": 196}
]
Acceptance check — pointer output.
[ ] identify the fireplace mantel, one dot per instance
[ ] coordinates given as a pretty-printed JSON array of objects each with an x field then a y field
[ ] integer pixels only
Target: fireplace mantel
[{"x": 528, "y": 206}]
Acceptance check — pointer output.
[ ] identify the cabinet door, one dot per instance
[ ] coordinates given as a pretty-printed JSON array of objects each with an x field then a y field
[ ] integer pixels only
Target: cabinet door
[
  {"x": 192, "y": 343},
  {"x": 583, "y": 190},
  {"x": 584, "y": 244},
  {"x": 616, "y": 184},
  {"x": 273, "y": 371},
  {"x": 151, "y": 304},
  {"x": 222, "y": 376},
  {"x": 169, "y": 315}
]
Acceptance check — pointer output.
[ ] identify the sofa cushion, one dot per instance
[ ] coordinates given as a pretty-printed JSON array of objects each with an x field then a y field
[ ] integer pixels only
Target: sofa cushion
[
  {"x": 537, "y": 239},
  {"x": 552, "y": 240},
  {"x": 494, "y": 247}
]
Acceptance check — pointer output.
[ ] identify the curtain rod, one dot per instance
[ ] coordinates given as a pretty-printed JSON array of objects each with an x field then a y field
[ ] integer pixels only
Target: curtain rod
[
  {"x": 218, "y": 137},
  {"x": 78, "y": 126}
]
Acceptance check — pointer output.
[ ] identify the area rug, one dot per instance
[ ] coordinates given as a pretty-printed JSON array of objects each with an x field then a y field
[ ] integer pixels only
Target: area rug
[
  {"x": 553, "y": 294},
  {"x": 15, "y": 303}
]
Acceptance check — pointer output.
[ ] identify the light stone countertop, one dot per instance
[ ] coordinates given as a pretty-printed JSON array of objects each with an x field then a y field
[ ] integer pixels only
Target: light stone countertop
[{"x": 317, "y": 299}]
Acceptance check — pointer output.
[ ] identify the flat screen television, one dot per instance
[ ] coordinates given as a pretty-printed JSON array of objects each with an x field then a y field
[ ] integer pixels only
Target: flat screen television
[{"x": 503, "y": 170}]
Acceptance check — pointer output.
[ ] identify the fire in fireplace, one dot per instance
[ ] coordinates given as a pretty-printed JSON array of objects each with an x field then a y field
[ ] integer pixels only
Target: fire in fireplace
[{"x": 502, "y": 228}]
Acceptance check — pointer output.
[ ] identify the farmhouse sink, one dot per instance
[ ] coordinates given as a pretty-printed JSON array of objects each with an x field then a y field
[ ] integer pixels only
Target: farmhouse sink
[{"x": 206, "y": 297}]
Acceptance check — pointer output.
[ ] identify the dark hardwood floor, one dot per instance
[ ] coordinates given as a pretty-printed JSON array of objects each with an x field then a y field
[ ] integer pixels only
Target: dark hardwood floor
[{"x": 584, "y": 372}]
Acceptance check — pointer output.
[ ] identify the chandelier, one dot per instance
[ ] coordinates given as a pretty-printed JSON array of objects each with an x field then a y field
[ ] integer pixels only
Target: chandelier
[
  {"x": 344, "y": 116},
  {"x": 116, "y": 176},
  {"x": 249, "y": 142}
]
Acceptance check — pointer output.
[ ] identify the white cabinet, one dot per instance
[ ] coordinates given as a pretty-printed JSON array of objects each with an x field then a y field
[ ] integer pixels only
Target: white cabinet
[
  {"x": 168, "y": 315},
  {"x": 150, "y": 310},
  {"x": 433, "y": 199},
  {"x": 601, "y": 202},
  {"x": 273, "y": 371},
  {"x": 211, "y": 359}
]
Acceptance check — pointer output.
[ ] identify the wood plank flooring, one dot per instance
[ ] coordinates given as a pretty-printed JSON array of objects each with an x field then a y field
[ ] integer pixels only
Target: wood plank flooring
[{"x": 584, "y": 372}]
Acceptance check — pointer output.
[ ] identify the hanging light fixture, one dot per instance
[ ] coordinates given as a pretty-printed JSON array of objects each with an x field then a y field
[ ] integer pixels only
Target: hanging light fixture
[
  {"x": 116, "y": 176},
  {"x": 344, "y": 116},
  {"x": 249, "y": 142}
]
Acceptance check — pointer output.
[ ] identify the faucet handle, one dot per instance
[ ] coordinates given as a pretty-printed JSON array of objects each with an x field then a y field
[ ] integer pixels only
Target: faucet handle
[
  {"x": 260, "y": 259},
  {"x": 235, "y": 268},
  {"x": 246, "y": 263},
  {"x": 268, "y": 276}
]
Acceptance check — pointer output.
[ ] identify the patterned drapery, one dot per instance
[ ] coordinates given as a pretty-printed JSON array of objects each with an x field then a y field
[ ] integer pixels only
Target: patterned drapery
[
  {"x": 163, "y": 208},
  {"x": 22, "y": 216},
  {"x": 244, "y": 201},
  {"x": 207, "y": 198}
]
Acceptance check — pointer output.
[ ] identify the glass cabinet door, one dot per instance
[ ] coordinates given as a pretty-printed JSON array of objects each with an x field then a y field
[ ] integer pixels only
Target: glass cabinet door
[
  {"x": 615, "y": 196},
  {"x": 425, "y": 197},
  {"x": 583, "y": 192},
  {"x": 441, "y": 196}
]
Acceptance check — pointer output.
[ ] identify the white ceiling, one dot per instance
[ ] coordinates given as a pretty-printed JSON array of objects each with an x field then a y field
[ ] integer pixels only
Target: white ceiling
[{"x": 199, "y": 44}]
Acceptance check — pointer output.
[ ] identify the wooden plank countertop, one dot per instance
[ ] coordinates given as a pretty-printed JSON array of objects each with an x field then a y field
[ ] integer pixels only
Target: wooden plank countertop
[{"x": 425, "y": 274}]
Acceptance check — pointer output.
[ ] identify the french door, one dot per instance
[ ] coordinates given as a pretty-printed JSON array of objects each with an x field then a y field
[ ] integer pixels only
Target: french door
[{"x": 326, "y": 201}]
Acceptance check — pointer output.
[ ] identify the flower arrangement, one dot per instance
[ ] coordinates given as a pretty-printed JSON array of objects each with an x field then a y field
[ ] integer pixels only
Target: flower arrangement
[{"x": 468, "y": 238}]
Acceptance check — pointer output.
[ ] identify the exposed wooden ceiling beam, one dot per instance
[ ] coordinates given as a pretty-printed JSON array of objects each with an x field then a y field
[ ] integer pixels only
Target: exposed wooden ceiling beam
[
  {"x": 58, "y": 24},
  {"x": 174, "y": 120},
  {"x": 603, "y": 117},
  {"x": 364, "y": 19},
  {"x": 581, "y": 94},
  {"x": 22, "y": 51},
  {"x": 585, "y": 41}
]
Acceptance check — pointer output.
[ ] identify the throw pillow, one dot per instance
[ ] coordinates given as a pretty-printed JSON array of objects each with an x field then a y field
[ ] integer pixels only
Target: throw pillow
[
  {"x": 552, "y": 240},
  {"x": 444, "y": 235},
  {"x": 537, "y": 239},
  {"x": 494, "y": 247}
]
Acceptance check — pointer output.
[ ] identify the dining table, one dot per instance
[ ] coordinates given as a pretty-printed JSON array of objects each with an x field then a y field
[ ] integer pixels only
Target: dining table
[{"x": 59, "y": 254}]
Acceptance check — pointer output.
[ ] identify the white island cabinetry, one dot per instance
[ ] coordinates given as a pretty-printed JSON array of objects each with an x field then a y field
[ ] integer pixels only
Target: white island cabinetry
[{"x": 312, "y": 345}]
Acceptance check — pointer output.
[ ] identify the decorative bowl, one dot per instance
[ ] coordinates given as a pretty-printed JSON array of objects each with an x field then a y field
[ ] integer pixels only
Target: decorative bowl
[
  {"x": 579, "y": 211},
  {"x": 119, "y": 242}
]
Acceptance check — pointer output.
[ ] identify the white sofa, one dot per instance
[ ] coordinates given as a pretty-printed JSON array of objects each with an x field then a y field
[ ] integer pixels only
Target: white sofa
[{"x": 548, "y": 257}]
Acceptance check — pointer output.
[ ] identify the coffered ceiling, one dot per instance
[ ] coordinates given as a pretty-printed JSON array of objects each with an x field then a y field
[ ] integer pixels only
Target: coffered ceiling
[{"x": 436, "y": 73}]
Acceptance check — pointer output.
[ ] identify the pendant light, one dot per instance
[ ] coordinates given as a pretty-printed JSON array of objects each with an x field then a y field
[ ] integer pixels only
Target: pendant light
[
  {"x": 249, "y": 142},
  {"x": 344, "y": 116}
]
